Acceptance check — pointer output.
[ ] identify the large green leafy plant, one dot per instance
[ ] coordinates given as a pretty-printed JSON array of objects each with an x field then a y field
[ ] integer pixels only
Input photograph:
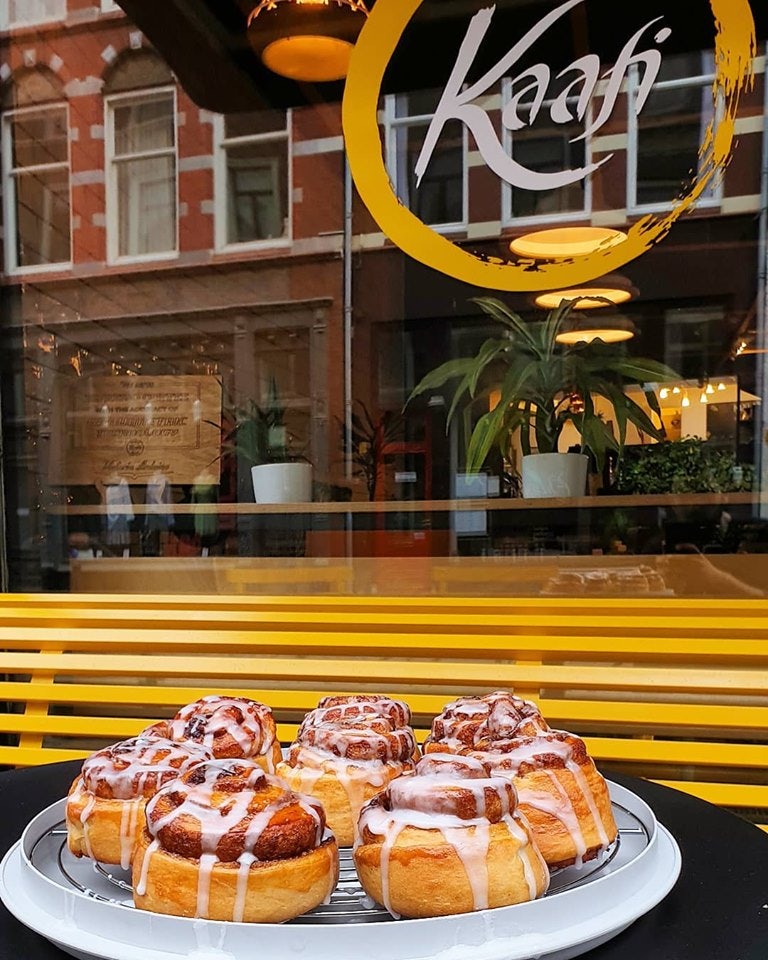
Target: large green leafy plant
[{"x": 542, "y": 385}]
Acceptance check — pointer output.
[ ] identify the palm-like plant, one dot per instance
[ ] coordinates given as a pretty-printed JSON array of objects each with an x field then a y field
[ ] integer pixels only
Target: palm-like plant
[{"x": 542, "y": 385}]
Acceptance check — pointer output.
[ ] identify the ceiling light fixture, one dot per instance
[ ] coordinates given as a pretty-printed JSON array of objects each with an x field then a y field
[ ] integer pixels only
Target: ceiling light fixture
[
  {"x": 308, "y": 41},
  {"x": 611, "y": 290},
  {"x": 566, "y": 242}
]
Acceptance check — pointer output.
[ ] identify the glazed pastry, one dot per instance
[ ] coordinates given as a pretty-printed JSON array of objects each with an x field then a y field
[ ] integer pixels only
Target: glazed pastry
[
  {"x": 347, "y": 750},
  {"x": 468, "y": 720},
  {"x": 106, "y": 802},
  {"x": 447, "y": 840},
  {"x": 560, "y": 791},
  {"x": 227, "y": 841},
  {"x": 229, "y": 728}
]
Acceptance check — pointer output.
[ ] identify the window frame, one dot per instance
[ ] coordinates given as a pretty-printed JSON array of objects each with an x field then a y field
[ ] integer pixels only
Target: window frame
[
  {"x": 634, "y": 208},
  {"x": 111, "y": 163},
  {"x": 393, "y": 123},
  {"x": 220, "y": 195},
  {"x": 110, "y": 6},
  {"x": 8, "y": 181},
  {"x": 508, "y": 219},
  {"x": 17, "y": 24}
]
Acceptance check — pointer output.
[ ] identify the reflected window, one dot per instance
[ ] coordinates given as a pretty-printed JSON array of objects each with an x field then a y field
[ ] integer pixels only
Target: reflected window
[
  {"x": 16, "y": 13},
  {"x": 666, "y": 137},
  {"x": 108, "y": 6},
  {"x": 439, "y": 199},
  {"x": 252, "y": 178},
  {"x": 141, "y": 175},
  {"x": 546, "y": 147},
  {"x": 36, "y": 187}
]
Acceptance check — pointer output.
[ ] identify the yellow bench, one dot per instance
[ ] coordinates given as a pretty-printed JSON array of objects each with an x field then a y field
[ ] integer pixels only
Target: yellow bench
[{"x": 676, "y": 690}]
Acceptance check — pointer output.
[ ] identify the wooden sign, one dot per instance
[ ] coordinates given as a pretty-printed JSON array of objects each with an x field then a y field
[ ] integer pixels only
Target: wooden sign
[{"x": 108, "y": 429}]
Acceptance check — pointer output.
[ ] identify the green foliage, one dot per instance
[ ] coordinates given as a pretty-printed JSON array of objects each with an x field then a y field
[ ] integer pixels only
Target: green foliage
[
  {"x": 544, "y": 385},
  {"x": 255, "y": 434},
  {"x": 682, "y": 466},
  {"x": 365, "y": 444}
]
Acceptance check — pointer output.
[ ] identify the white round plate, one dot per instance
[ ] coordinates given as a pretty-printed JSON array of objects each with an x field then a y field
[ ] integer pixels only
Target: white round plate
[{"x": 576, "y": 917}]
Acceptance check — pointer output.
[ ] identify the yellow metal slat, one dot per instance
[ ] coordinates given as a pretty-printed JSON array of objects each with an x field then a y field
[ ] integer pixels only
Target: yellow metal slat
[
  {"x": 679, "y": 752},
  {"x": 395, "y": 671},
  {"x": 723, "y": 794},
  {"x": 470, "y": 645},
  {"x": 35, "y": 756}
]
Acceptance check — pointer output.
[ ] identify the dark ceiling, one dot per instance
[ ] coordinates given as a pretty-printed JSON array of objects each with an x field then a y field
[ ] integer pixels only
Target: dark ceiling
[{"x": 205, "y": 43}]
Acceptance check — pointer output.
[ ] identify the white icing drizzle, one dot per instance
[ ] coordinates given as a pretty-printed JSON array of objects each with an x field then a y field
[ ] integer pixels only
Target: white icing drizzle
[
  {"x": 585, "y": 788},
  {"x": 87, "y": 810},
  {"x": 217, "y": 819},
  {"x": 254, "y": 732},
  {"x": 500, "y": 715},
  {"x": 428, "y": 801},
  {"x": 144, "y": 763},
  {"x": 141, "y": 886}
]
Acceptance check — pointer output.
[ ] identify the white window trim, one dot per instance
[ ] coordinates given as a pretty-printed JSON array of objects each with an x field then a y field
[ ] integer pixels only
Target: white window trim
[
  {"x": 109, "y": 6},
  {"x": 7, "y": 24},
  {"x": 220, "y": 144},
  {"x": 568, "y": 216},
  {"x": 112, "y": 207},
  {"x": 11, "y": 234},
  {"x": 392, "y": 123},
  {"x": 633, "y": 141}
]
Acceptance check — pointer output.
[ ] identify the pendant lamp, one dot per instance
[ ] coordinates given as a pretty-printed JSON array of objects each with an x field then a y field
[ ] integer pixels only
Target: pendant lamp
[{"x": 308, "y": 41}]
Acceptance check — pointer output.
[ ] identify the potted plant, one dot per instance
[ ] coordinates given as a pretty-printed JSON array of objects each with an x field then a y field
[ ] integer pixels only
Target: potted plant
[
  {"x": 365, "y": 445},
  {"x": 540, "y": 385},
  {"x": 259, "y": 437}
]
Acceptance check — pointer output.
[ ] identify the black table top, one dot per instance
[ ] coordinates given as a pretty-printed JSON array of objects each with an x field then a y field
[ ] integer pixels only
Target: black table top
[{"x": 717, "y": 911}]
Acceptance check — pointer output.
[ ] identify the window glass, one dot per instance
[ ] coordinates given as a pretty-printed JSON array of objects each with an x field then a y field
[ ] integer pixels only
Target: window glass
[
  {"x": 35, "y": 11},
  {"x": 37, "y": 183},
  {"x": 144, "y": 175},
  {"x": 219, "y": 375},
  {"x": 254, "y": 150}
]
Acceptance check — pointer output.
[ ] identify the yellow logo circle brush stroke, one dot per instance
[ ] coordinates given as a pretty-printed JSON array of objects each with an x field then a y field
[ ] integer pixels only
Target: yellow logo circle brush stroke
[{"x": 735, "y": 48}]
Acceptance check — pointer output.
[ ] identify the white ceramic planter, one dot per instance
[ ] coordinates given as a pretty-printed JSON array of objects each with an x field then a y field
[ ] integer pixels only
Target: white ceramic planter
[
  {"x": 554, "y": 475},
  {"x": 282, "y": 482}
]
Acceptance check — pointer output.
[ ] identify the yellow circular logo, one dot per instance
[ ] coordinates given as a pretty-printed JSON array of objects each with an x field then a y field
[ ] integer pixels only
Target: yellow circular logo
[{"x": 735, "y": 49}]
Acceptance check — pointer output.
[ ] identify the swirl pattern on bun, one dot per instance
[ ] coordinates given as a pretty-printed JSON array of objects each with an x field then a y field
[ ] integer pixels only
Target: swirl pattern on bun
[
  {"x": 226, "y": 841},
  {"x": 106, "y": 801},
  {"x": 447, "y": 840},
  {"x": 347, "y": 750}
]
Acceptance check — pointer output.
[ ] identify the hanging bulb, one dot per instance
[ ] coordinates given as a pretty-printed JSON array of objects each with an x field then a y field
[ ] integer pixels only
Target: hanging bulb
[
  {"x": 686, "y": 401},
  {"x": 703, "y": 398},
  {"x": 721, "y": 387},
  {"x": 664, "y": 393},
  {"x": 676, "y": 390},
  {"x": 710, "y": 389}
]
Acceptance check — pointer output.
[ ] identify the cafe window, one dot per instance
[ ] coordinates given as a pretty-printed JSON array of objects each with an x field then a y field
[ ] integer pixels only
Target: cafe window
[
  {"x": 439, "y": 197},
  {"x": 253, "y": 178},
  {"x": 544, "y": 146},
  {"x": 36, "y": 179},
  {"x": 664, "y": 140},
  {"x": 141, "y": 175},
  {"x": 18, "y": 13}
]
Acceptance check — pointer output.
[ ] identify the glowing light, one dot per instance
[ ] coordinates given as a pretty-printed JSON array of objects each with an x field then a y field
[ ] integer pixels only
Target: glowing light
[
  {"x": 703, "y": 398},
  {"x": 686, "y": 401},
  {"x": 676, "y": 390},
  {"x": 566, "y": 242},
  {"x": 305, "y": 47},
  {"x": 710, "y": 389},
  {"x": 721, "y": 387},
  {"x": 663, "y": 393},
  {"x": 607, "y": 335},
  {"x": 588, "y": 298}
]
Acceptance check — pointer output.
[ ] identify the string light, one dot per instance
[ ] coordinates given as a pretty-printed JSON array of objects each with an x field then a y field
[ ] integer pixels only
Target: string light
[
  {"x": 686, "y": 401},
  {"x": 664, "y": 393}
]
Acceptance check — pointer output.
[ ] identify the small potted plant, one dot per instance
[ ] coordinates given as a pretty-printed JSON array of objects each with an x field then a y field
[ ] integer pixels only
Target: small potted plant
[
  {"x": 365, "y": 445},
  {"x": 539, "y": 385},
  {"x": 259, "y": 438}
]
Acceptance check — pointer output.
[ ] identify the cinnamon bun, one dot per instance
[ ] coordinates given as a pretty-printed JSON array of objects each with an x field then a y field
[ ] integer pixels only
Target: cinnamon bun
[
  {"x": 106, "y": 802},
  {"x": 561, "y": 793},
  {"x": 447, "y": 840},
  {"x": 226, "y": 841},
  {"x": 346, "y": 751},
  {"x": 466, "y": 721},
  {"x": 229, "y": 728}
]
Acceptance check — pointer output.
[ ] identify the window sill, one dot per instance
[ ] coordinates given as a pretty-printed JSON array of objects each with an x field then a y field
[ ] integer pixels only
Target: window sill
[
  {"x": 21, "y": 273},
  {"x": 144, "y": 259},
  {"x": 253, "y": 246}
]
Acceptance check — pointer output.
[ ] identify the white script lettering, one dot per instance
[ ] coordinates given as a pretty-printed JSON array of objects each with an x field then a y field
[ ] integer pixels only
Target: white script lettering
[{"x": 530, "y": 88}]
